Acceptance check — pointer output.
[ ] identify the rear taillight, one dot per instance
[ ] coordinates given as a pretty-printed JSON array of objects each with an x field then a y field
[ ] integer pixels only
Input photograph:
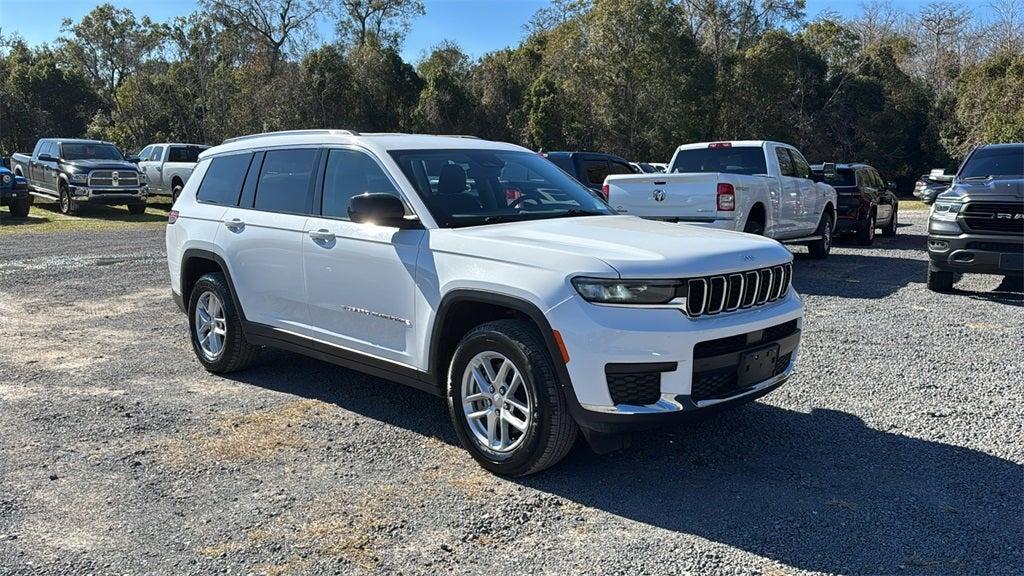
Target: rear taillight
[
  {"x": 512, "y": 194},
  {"x": 605, "y": 190},
  {"x": 172, "y": 216},
  {"x": 720, "y": 145},
  {"x": 726, "y": 197}
]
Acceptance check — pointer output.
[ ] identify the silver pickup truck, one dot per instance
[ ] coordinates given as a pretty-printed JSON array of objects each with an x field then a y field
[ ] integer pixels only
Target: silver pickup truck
[{"x": 167, "y": 166}]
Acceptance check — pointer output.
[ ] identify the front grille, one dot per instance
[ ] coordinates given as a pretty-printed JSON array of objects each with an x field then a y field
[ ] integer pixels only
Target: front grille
[
  {"x": 724, "y": 382},
  {"x": 730, "y": 344},
  {"x": 105, "y": 179},
  {"x": 634, "y": 388},
  {"x": 716, "y": 294},
  {"x": 999, "y": 217}
]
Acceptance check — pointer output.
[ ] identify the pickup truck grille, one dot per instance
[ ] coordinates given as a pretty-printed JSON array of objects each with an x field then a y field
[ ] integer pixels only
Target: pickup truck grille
[
  {"x": 716, "y": 294},
  {"x": 106, "y": 179},
  {"x": 999, "y": 218}
]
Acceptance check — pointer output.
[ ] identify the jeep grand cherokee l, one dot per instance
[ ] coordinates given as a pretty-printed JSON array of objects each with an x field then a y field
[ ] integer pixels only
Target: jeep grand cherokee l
[{"x": 480, "y": 272}]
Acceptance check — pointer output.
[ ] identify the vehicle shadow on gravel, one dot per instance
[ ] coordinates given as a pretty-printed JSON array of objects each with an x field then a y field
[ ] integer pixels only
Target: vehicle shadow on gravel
[
  {"x": 860, "y": 275},
  {"x": 818, "y": 491}
]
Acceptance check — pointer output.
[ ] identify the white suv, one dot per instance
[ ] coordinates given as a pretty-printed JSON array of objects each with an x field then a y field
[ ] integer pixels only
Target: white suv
[{"x": 480, "y": 272}]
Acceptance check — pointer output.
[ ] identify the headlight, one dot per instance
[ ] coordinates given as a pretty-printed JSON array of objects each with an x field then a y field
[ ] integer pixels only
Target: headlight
[
  {"x": 142, "y": 178},
  {"x": 7, "y": 178},
  {"x": 80, "y": 178},
  {"x": 945, "y": 210},
  {"x": 612, "y": 291}
]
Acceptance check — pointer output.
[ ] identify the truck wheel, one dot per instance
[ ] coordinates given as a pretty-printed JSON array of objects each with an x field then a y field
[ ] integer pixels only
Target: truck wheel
[
  {"x": 866, "y": 233},
  {"x": 175, "y": 191},
  {"x": 821, "y": 247},
  {"x": 215, "y": 327},
  {"x": 136, "y": 209},
  {"x": 940, "y": 280},
  {"x": 67, "y": 206},
  {"x": 505, "y": 400},
  {"x": 754, "y": 227},
  {"x": 890, "y": 228},
  {"x": 19, "y": 208}
]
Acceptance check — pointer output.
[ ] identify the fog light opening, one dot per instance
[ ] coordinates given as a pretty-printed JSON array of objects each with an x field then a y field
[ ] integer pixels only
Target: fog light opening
[{"x": 963, "y": 257}]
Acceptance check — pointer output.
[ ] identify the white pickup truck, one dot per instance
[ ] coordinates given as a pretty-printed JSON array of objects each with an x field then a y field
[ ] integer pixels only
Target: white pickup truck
[
  {"x": 168, "y": 166},
  {"x": 753, "y": 186}
]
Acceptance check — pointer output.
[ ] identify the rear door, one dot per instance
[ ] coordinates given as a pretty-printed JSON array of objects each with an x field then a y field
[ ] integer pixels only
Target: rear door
[
  {"x": 263, "y": 235},
  {"x": 360, "y": 277}
]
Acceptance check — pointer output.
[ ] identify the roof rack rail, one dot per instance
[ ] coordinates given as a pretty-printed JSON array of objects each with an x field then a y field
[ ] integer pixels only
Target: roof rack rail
[
  {"x": 461, "y": 136},
  {"x": 310, "y": 132}
]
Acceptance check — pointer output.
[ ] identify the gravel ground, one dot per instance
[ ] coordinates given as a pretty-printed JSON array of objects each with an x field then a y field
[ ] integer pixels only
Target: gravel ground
[{"x": 896, "y": 448}]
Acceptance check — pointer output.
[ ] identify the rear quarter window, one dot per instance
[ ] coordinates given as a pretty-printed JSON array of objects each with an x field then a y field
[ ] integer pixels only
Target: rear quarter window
[{"x": 223, "y": 180}]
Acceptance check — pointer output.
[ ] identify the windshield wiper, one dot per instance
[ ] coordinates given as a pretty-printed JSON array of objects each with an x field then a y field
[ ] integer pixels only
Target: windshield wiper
[{"x": 581, "y": 212}]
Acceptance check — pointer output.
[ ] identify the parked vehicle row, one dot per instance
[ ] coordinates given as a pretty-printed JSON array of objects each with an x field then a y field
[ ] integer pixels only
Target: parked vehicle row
[
  {"x": 76, "y": 172},
  {"x": 753, "y": 186},
  {"x": 538, "y": 315}
]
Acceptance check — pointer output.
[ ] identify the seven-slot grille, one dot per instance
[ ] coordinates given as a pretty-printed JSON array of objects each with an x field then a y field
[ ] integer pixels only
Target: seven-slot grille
[
  {"x": 1002, "y": 217},
  {"x": 106, "y": 179},
  {"x": 725, "y": 293}
]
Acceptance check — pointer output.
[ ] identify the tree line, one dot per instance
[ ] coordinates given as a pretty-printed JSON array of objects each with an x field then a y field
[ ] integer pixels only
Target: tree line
[{"x": 903, "y": 91}]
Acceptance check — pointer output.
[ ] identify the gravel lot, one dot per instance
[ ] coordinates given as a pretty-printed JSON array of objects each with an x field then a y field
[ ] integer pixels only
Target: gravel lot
[{"x": 896, "y": 448}]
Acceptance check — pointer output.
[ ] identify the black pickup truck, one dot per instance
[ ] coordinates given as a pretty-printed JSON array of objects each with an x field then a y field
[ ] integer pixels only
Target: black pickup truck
[
  {"x": 977, "y": 225},
  {"x": 76, "y": 172}
]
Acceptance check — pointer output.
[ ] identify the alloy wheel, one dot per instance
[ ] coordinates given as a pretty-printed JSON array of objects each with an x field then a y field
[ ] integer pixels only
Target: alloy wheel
[
  {"x": 211, "y": 325},
  {"x": 496, "y": 402}
]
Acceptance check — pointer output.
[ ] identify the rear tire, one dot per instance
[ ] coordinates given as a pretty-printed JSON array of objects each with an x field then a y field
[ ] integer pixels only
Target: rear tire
[
  {"x": 941, "y": 280},
  {"x": 820, "y": 248},
  {"x": 545, "y": 436},
  {"x": 754, "y": 227},
  {"x": 136, "y": 209},
  {"x": 175, "y": 192},
  {"x": 890, "y": 228},
  {"x": 20, "y": 207},
  {"x": 68, "y": 207},
  {"x": 234, "y": 351},
  {"x": 866, "y": 233}
]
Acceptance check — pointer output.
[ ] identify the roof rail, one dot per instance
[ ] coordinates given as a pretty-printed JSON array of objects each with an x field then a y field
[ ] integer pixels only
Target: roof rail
[
  {"x": 311, "y": 132},
  {"x": 460, "y": 136}
]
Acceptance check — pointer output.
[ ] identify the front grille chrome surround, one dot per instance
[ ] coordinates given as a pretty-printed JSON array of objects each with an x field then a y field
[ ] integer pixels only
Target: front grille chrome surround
[
  {"x": 105, "y": 179},
  {"x": 713, "y": 295}
]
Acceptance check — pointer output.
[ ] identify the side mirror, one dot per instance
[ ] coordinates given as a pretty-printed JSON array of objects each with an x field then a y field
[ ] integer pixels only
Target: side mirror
[
  {"x": 134, "y": 159},
  {"x": 45, "y": 157},
  {"x": 828, "y": 169},
  {"x": 381, "y": 209}
]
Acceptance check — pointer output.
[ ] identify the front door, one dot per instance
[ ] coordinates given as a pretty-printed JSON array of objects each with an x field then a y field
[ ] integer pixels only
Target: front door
[
  {"x": 360, "y": 278},
  {"x": 789, "y": 196}
]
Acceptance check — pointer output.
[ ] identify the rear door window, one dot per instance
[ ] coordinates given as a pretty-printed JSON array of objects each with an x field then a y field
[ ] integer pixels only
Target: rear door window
[
  {"x": 595, "y": 171},
  {"x": 223, "y": 180},
  {"x": 284, "y": 184}
]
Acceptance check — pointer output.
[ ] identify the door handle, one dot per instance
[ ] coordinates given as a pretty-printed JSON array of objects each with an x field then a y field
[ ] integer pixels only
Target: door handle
[
  {"x": 234, "y": 224},
  {"x": 322, "y": 235}
]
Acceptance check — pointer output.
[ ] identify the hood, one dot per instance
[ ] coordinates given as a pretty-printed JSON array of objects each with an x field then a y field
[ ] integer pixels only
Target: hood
[
  {"x": 101, "y": 164},
  {"x": 634, "y": 247},
  {"x": 995, "y": 188}
]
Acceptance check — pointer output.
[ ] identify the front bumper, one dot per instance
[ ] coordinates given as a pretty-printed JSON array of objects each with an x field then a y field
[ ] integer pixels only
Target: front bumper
[
  {"x": 975, "y": 253},
  {"x": 599, "y": 336},
  {"x": 85, "y": 194},
  {"x": 9, "y": 195}
]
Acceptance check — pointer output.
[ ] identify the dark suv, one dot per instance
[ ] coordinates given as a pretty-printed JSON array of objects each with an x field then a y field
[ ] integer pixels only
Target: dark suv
[
  {"x": 977, "y": 225},
  {"x": 866, "y": 202},
  {"x": 590, "y": 168}
]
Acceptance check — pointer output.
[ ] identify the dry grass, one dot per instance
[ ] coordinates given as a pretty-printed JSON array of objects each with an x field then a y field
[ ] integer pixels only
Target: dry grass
[
  {"x": 44, "y": 217},
  {"x": 248, "y": 437}
]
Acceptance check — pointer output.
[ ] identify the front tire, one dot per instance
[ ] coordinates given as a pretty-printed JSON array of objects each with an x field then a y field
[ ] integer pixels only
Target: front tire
[
  {"x": 940, "y": 280},
  {"x": 19, "y": 208},
  {"x": 866, "y": 233},
  {"x": 68, "y": 207},
  {"x": 820, "y": 248},
  {"x": 890, "y": 228},
  {"x": 136, "y": 209},
  {"x": 215, "y": 327},
  {"x": 505, "y": 400}
]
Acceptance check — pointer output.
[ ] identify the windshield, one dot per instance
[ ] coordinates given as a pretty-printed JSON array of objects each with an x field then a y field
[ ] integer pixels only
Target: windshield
[
  {"x": 732, "y": 160},
  {"x": 89, "y": 151},
  {"x": 473, "y": 187},
  {"x": 994, "y": 161},
  {"x": 840, "y": 178}
]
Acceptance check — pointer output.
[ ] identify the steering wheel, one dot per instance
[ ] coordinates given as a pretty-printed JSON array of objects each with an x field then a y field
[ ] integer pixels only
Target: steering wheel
[{"x": 537, "y": 200}]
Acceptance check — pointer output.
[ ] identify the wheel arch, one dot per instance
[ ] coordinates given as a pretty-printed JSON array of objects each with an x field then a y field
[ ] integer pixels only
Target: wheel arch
[{"x": 194, "y": 263}]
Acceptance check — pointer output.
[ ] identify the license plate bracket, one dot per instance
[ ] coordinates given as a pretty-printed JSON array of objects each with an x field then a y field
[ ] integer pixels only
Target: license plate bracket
[{"x": 757, "y": 365}]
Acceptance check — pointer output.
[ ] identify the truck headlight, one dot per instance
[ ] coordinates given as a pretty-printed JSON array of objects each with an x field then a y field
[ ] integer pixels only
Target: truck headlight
[
  {"x": 80, "y": 178},
  {"x": 613, "y": 291},
  {"x": 945, "y": 210},
  {"x": 142, "y": 178},
  {"x": 7, "y": 178}
]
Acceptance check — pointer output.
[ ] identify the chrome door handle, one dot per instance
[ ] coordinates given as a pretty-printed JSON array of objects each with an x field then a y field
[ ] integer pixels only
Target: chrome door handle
[
  {"x": 322, "y": 235},
  {"x": 234, "y": 224}
]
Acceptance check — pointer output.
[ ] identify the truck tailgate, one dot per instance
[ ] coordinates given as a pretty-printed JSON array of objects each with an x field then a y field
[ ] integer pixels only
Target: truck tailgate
[{"x": 687, "y": 197}]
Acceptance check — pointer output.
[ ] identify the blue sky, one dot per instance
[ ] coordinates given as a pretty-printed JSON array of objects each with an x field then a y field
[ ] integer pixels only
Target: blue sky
[{"x": 479, "y": 26}]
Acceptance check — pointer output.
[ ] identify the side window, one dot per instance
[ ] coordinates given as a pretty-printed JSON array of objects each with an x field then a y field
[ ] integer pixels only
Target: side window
[
  {"x": 284, "y": 181},
  {"x": 800, "y": 166},
  {"x": 144, "y": 155},
  {"x": 596, "y": 171},
  {"x": 350, "y": 173},
  {"x": 53, "y": 149},
  {"x": 619, "y": 168},
  {"x": 785, "y": 162},
  {"x": 223, "y": 180}
]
